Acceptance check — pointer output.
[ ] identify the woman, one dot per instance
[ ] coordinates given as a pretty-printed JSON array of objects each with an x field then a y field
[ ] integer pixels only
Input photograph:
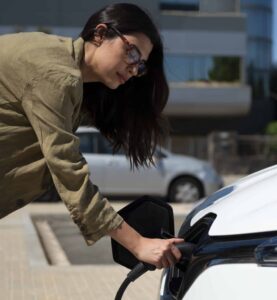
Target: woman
[{"x": 111, "y": 77}]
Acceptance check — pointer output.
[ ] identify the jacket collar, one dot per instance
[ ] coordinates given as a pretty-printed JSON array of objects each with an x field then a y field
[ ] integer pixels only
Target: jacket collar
[{"x": 78, "y": 50}]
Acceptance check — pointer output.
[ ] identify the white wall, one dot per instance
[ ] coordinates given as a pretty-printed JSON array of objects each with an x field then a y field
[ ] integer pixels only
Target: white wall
[
  {"x": 208, "y": 101},
  {"x": 205, "y": 42}
]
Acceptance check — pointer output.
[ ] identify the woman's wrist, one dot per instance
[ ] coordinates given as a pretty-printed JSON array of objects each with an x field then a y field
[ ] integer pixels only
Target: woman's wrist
[{"x": 127, "y": 237}]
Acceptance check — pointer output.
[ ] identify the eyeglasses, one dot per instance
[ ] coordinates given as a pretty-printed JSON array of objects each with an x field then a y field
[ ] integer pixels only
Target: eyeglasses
[{"x": 133, "y": 57}]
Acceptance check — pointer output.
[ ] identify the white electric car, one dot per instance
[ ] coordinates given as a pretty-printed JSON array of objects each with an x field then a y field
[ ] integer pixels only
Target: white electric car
[
  {"x": 230, "y": 248},
  {"x": 235, "y": 236}
]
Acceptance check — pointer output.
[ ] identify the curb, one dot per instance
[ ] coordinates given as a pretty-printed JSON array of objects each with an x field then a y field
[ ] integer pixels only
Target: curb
[{"x": 52, "y": 248}]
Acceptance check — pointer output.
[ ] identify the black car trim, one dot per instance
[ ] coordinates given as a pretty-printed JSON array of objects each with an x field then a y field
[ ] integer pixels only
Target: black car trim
[
  {"x": 217, "y": 252},
  {"x": 186, "y": 227},
  {"x": 211, "y": 251}
]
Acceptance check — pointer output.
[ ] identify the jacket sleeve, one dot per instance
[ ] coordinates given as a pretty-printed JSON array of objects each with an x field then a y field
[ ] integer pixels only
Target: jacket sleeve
[{"x": 49, "y": 106}]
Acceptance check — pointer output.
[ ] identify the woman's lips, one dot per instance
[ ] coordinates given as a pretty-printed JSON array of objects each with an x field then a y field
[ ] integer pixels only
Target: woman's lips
[{"x": 121, "y": 78}]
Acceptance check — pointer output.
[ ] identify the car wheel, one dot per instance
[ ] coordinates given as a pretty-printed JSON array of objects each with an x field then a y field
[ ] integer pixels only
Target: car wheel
[{"x": 185, "y": 190}]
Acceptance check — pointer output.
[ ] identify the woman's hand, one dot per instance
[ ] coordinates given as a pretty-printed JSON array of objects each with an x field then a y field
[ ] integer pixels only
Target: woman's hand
[{"x": 158, "y": 252}]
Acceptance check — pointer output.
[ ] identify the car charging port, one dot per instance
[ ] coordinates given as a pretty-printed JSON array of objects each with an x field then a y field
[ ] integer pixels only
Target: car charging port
[
  {"x": 186, "y": 250},
  {"x": 174, "y": 281}
]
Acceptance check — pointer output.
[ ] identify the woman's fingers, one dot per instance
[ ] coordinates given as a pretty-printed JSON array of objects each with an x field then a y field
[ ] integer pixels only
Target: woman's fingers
[
  {"x": 159, "y": 252},
  {"x": 177, "y": 240},
  {"x": 172, "y": 255},
  {"x": 159, "y": 266},
  {"x": 171, "y": 259},
  {"x": 176, "y": 252},
  {"x": 164, "y": 262}
]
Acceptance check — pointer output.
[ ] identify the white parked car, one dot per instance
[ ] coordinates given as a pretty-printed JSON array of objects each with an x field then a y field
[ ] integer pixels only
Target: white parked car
[{"x": 180, "y": 178}]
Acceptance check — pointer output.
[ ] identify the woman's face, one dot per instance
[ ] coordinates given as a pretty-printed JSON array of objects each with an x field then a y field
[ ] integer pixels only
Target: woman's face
[{"x": 108, "y": 62}]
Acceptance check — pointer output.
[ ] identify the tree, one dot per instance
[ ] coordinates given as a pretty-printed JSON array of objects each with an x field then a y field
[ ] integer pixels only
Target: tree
[{"x": 225, "y": 69}]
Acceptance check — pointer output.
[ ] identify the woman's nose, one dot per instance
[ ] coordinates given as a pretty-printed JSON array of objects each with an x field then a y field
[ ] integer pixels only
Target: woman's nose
[{"x": 133, "y": 70}]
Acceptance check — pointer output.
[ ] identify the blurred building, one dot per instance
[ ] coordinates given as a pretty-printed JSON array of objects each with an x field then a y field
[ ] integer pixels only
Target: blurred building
[
  {"x": 253, "y": 19},
  {"x": 259, "y": 44},
  {"x": 206, "y": 63},
  {"x": 218, "y": 55}
]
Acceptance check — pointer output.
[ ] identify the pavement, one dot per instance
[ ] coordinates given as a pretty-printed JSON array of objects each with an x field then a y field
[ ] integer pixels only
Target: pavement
[{"x": 27, "y": 275}]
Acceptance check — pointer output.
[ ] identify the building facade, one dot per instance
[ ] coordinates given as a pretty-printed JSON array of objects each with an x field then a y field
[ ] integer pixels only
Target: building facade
[
  {"x": 205, "y": 62},
  {"x": 217, "y": 53},
  {"x": 259, "y": 44},
  {"x": 255, "y": 113}
]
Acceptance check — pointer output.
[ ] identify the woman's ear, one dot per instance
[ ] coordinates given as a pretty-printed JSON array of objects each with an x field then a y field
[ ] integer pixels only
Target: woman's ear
[{"x": 100, "y": 33}]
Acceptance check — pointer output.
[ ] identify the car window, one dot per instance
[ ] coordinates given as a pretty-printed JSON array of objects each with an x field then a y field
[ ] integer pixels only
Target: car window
[
  {"x": 94, "y": 142},
  {"x": 160, "y": 153},
  {"x": 104, "y": 145},
  {"x": 88, "y": 142}
]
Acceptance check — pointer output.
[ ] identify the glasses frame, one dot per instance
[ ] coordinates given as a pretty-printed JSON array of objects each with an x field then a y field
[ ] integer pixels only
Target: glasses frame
[{"x": 141, "y": 63}]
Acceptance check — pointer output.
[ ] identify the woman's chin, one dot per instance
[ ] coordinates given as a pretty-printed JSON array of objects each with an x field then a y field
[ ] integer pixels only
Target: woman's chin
[{"x": 112, "y": 85}]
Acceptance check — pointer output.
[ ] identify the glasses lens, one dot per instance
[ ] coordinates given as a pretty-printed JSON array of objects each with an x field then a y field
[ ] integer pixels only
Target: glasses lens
[
  {"x": 142, "y": 69},
  {"x": 133, "y": 56}
]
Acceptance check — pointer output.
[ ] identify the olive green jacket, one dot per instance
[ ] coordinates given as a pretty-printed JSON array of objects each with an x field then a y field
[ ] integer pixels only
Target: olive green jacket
[{"x": 40, "y": 98}]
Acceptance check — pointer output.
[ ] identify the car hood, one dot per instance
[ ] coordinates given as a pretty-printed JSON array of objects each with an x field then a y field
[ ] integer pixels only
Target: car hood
[{"x": 247, "y": 206}]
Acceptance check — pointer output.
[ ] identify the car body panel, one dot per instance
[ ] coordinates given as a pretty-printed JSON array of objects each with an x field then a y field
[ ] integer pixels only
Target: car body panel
[
  {"x": 249, "y": 207},
  {"x": 120, "y": 178},
  {"x": 234, "y": 282},
  {"x": 100, "y": 169}
]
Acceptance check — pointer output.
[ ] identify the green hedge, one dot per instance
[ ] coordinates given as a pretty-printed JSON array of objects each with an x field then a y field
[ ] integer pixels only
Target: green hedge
[{"x": 271, "y": 128}]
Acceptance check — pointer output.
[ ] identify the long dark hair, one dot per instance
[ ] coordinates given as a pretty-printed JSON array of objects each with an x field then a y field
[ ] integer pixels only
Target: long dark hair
[{"x": 131, "y": 115}]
